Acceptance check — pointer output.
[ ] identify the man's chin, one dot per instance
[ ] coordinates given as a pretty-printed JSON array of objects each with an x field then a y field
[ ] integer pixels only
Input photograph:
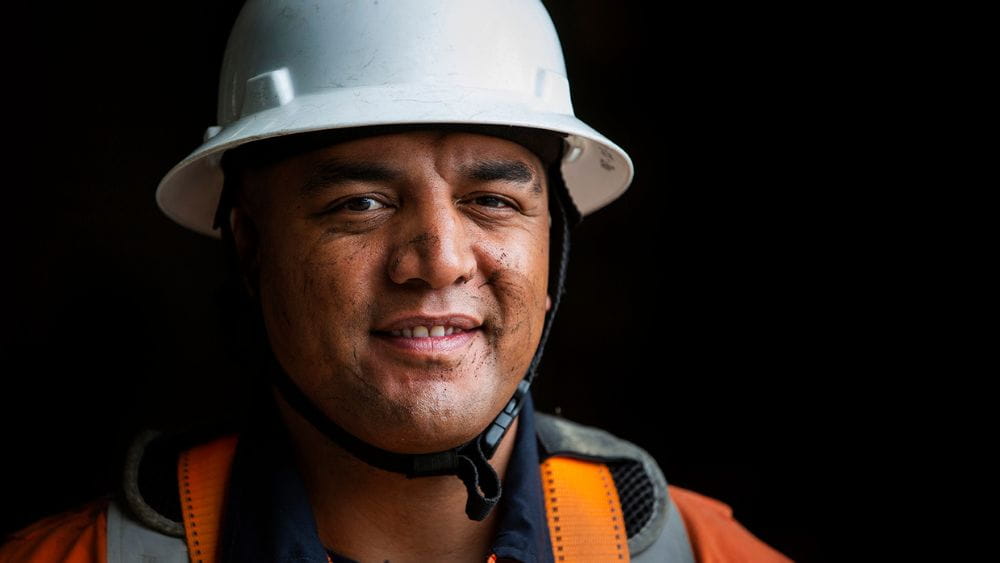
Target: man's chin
[{"x": 425, "y": 434}]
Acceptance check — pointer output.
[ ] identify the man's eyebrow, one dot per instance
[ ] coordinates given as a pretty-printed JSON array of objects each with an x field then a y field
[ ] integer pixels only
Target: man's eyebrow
[
  {"x": 338, "y": 170},
  {"x": 507, "y": 170}
]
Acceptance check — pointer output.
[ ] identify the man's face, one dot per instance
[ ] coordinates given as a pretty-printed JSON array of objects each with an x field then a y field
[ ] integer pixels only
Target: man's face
[{"x": 366, "y": 251}]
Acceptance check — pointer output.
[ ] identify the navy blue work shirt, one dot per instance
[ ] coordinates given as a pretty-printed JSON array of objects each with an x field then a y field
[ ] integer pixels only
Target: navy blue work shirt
[{"x": 267, "y": 517}]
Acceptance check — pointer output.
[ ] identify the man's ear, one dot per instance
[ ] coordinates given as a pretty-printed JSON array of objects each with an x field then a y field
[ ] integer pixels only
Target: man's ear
[
  {"x": 548, "y": 303},
  {"x": 247, "y": 239}
]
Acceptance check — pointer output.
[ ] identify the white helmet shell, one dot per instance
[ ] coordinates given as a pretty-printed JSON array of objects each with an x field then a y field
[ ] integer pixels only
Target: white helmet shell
[{"x": 293, "y": 66}]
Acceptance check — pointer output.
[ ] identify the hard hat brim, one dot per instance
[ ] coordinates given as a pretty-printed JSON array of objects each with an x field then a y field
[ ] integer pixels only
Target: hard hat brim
[{"x": 596, "y": 170}]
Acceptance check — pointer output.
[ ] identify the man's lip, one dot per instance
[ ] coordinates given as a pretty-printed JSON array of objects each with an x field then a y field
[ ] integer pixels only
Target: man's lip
[
  {"x": 440, "y": 347},
  {"x": 410, "y": 320}
]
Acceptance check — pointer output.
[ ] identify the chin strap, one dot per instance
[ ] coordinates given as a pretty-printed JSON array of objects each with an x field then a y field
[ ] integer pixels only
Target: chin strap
[{"x": 470, "y": 461}]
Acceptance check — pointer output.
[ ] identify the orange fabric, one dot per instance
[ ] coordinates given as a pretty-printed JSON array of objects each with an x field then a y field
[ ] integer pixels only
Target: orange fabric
[
  {"x": 584, "y": 512},
  {"x": 203, "y": 472},
  {"x": 80, "y": 535},
  {"x": 716, "y": 537},
  {"x": 76, "y": 536}
]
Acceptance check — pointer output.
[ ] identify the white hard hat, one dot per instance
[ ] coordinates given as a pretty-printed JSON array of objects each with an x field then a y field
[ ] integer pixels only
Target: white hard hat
[{"x": 292, "y": 66}]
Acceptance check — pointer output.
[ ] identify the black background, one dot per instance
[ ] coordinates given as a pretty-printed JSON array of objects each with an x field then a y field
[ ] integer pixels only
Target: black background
[{"x": 704, "y": 312}]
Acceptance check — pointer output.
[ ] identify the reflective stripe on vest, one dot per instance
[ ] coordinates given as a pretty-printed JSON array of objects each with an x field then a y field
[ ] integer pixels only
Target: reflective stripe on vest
[
  {"x": 581, "y": 503},
  {"x": 584, "y": 512},
  {"x": 203, "y": 473}
]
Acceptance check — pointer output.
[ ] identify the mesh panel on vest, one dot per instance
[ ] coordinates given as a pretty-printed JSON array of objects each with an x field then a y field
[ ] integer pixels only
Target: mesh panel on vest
[{"x": 635, "y": 491}]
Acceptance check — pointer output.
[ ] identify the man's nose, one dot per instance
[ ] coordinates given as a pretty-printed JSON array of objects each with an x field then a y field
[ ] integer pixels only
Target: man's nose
[{"x": 434, "y": 247}]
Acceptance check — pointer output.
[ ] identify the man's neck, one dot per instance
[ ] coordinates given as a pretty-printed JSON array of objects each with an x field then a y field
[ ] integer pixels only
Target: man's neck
[{"x": 369, "y": 514}]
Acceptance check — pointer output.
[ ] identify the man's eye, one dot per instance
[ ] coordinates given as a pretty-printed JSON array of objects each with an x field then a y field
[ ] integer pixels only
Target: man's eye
[
  {"x": 361, "y": 204},
  {"x": 491, "y": 201}
]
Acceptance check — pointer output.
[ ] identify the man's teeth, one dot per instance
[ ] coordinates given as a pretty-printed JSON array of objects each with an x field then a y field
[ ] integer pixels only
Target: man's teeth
[{"x": 424, "y": 332}]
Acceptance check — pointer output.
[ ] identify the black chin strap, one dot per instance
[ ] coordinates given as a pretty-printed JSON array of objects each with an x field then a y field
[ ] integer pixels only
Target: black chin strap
[{"x": 470, "y": 461}]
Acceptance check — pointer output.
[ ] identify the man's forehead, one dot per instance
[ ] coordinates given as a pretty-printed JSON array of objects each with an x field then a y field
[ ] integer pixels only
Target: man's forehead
[
  {"x": 460, "y": 147},
  {"x": 546, "y": 145}
]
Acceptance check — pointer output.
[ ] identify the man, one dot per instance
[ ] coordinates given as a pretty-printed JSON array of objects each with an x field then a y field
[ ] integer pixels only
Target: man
[{"x": 396, "y": 185}]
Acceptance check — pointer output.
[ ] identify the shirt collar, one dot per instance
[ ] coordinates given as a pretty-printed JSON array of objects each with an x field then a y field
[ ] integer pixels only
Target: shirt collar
[{"x": 267, "y": 517}]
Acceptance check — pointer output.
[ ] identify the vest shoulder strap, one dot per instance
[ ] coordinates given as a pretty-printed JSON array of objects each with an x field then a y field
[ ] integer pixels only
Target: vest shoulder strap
[
  {"x": 134, "y": 534},
  {"x": 583, "y": 511},
  {"x": 659, "y": 533},
  {"x": 203, "y": 474}
]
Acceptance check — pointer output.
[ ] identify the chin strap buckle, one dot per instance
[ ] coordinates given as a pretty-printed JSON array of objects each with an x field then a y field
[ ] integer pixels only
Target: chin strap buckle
[
  {"x": 485, "y": 445},
  {"x": 498, "y": 429},
  {"x": 471, "y": 461}
]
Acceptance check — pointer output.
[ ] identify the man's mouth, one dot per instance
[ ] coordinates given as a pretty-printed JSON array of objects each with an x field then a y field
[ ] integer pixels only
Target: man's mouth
[
  {"x": 415, "y": 325},
  {"x": 416, "y": 333},
  {"x": 421, "y": 331}
]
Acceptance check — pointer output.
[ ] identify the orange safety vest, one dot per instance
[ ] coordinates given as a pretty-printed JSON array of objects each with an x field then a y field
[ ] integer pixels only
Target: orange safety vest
[{"x": 581, "y": 501}]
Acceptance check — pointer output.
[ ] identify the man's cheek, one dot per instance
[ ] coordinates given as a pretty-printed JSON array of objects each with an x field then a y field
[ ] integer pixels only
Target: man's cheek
[{"x": 516, "y": 292}]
